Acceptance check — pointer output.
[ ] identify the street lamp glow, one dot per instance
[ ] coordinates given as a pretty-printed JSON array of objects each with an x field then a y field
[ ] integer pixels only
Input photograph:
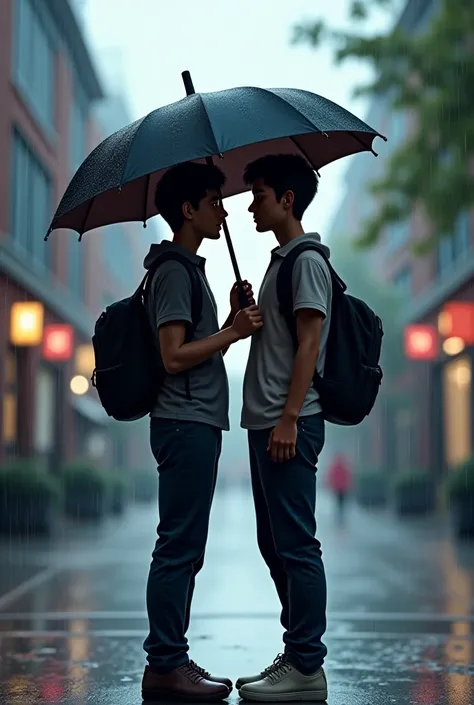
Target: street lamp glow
[
  {"x": 453, "y": 346},
  {"x": 79, "y": 385}
]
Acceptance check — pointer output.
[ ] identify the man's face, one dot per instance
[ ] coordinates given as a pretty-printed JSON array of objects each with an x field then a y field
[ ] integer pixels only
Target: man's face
[
  {"x": 267, "y": 212},
  {"x": 208, "y": 218}
]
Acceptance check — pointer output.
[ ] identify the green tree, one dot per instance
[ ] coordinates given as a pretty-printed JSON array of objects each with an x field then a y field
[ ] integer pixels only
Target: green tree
[{"x": 431, "y": 75}]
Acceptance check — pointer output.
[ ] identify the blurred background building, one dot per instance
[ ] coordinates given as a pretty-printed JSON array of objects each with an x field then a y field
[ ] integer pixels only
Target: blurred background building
[
  {"x": 424, "y": 417},
  {"x": 58, "y": 102}
]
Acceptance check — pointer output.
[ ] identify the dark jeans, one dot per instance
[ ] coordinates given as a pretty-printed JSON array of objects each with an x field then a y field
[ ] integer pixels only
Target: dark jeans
[
  {"x": 285, "y": 502},
  {"x": 187, "y": 454}
]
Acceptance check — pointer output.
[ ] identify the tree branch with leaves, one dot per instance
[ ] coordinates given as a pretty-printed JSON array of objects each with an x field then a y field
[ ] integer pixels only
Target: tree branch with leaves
[{"x": 429, "y": 74}]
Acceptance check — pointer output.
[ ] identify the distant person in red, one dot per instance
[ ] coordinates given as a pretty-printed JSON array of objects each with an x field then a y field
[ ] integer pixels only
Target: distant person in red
[{"x": 339, "y": 480}]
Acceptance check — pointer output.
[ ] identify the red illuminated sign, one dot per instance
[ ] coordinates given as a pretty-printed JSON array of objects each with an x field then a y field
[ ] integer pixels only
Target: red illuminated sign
[
  {"x": 421, "y": 342},
  {"x": 58, "y": 342},
  {"x": 457, "y": 321}
]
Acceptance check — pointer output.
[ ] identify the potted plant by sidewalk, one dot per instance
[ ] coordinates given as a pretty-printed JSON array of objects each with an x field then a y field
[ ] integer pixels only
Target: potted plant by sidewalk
[
  {"x": 371, "y": 488},
  {"x": 86, "y": 491},
  {"x": 144, "y": 485},
  {"x": 413, "y": 492},
  {"x": 460, "y": 490},
  {"x": 29, "y": 499}
]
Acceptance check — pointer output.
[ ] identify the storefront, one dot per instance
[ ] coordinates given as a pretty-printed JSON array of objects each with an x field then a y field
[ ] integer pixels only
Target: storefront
[
  {"x": 453, "y": 411},
  {"x": 44, "y": 369},
  {"x": 446, "y": 347}
]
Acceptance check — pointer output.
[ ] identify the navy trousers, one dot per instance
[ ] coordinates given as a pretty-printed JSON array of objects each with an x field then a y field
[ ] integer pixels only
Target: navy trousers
[
  {"x": 187, "y": 454},
  {"x": 285, "y": 502}
]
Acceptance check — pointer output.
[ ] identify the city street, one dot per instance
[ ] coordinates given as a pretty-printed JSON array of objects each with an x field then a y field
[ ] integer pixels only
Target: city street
[{"x": 400, "y": 619}]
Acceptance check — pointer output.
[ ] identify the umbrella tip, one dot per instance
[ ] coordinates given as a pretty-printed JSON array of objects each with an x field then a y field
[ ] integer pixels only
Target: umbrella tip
[{"x": 188, "y": 82}]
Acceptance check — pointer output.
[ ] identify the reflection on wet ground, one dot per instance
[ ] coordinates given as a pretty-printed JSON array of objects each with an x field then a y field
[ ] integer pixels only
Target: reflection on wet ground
[{"x": 399, "y": 615}]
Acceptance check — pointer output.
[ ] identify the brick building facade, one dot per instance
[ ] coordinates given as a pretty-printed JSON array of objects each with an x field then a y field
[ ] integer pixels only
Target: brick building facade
[{"x": 49, "y": 87}]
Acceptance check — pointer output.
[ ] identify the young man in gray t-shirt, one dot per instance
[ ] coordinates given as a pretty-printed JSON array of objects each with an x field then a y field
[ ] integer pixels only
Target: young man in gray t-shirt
[
  {"x": 190, "y": 413},
  {"x": 282, "y": 413}
]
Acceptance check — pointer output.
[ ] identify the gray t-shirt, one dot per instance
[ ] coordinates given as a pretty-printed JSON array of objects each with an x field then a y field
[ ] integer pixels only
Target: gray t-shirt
[
  {"x": 170, "y": 300},
  {"x": 270, "y": 363}
]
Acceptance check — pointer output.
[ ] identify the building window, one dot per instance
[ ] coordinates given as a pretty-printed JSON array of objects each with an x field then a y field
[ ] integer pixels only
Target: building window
[
  {"x": 76, "y": 267},
  {"x": 31, "y": 203},
  {"x": 34, "y": 61},
  {"x": 403, "y": 283},
  {"x": 453, "y": 248},
  {"x": 117, "y": 254},
  {"x": 77, "y": 129},
  {"x": 77, "y": 154}
]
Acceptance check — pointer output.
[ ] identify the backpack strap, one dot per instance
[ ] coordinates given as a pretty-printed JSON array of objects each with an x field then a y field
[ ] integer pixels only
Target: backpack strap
[
  {"x": 196, "y": 295},
  {"x": 284, "y": 283}
]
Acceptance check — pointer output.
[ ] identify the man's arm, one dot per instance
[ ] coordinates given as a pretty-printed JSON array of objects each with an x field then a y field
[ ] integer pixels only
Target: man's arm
[
  {"x": 172, "y": 298},
  {"x": 178, "y": 356},
  {"x": 311, "y": 284},
  {"x": 282, "y": 440},
  {"x": 309, "y": 323},
  {"x": 227, "y": 323}
]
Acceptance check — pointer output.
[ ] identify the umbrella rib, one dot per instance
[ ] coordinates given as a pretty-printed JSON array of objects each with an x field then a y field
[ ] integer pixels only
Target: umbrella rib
[
  {"x": 130, "y": 147},
  {"x": 83, "y": 226},
  {"x": 367, "y": 147},
  {"x": 145, "y": 205},
  {"x": 218, "y": 152},
  {"x": 304, "y": 153},
  {"x": 301, "y": 115}
]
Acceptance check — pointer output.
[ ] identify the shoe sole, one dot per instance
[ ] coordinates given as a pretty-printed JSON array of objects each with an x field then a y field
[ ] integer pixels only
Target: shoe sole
[
  {"x": 297, "y": 696},
  {"x": 158, "y": 695}
]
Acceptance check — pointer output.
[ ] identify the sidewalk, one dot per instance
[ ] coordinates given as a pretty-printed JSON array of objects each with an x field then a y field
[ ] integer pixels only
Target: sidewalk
[{"x": 399, "y": 610}]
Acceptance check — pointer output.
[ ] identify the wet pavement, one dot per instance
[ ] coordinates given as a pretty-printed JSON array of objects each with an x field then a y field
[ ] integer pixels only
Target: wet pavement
[{"x": 400, "y": 609}]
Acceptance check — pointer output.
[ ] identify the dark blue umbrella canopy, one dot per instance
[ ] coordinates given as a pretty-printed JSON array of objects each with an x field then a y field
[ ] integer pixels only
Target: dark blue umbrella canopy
[{"x": 116, "y": 181}]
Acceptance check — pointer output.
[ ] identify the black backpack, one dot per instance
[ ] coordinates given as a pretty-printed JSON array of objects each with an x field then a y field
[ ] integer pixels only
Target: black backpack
[
  {"x": 128, "y": 370},
  {"x": 352, "y": 374}
]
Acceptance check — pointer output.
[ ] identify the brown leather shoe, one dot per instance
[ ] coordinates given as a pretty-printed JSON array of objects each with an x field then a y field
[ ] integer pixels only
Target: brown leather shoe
[
  {"x": 183, "y": 683},
  {"x": 208, "y": 677}
]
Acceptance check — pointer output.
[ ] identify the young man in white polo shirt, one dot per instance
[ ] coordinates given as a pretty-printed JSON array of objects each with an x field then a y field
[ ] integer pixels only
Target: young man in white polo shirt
[{"x": 283, "y": 416}]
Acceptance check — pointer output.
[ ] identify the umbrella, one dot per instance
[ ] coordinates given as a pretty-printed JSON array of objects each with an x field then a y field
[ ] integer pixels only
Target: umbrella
[{"x": 116, "y": 182}]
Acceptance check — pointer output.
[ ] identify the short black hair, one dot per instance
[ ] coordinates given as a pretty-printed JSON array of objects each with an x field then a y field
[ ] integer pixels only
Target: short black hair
[
  {"x": 285, "y": 172},
  {"x": 185, "y": 183}
]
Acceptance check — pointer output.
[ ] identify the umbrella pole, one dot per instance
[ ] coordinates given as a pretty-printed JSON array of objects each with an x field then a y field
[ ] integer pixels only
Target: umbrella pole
[{"x": 243, "y": 301}]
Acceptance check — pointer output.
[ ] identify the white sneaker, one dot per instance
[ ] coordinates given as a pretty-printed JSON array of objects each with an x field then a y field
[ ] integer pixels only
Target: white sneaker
[{"x": 283, "y": 682}]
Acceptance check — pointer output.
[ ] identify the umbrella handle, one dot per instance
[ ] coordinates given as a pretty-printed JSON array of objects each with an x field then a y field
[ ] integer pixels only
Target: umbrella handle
[{"x": 243, "y": 301}]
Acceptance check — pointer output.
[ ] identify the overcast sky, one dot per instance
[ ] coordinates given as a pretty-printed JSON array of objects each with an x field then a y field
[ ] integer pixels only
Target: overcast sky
[{"x": 225, "y": 44}]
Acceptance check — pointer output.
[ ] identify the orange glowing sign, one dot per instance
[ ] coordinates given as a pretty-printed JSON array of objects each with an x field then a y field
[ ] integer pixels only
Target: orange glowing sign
[
  {"x": 456, "y": 320},
  {"x": 26, "y": 323},
  {"x": 421, "y": 342},
  {"x": 58, "y": 342}
]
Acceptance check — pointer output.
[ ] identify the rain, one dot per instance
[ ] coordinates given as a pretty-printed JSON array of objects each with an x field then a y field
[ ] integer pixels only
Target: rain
[{"x": 79, "y": 486}]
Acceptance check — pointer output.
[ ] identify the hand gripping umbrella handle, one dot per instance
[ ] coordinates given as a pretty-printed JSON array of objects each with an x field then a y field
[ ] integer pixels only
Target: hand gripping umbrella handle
[{"x": 243, "y": 301}]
